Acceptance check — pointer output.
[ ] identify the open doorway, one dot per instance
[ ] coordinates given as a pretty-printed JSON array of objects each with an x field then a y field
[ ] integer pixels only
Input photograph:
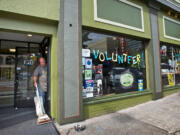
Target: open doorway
[{"x": 19, "y": 55}]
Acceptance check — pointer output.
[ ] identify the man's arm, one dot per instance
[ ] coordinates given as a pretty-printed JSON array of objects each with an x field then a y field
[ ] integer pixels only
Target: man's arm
[
  {"x": 35, "y": 80},
  {"x": 35, "y": 77}
]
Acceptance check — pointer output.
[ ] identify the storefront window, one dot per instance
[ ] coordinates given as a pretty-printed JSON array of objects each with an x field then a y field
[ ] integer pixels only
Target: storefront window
[
  {"x": 112, "y": 64},
  {"x": 170, "y": 65}
]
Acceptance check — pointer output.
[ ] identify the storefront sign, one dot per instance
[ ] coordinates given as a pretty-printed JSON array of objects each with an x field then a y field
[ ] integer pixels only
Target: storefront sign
[
  {"x": 119, "y": 58},
  {"x": 171, "y": 28},
  {"x": 28, "y": 62},
  {"x": 121, "y": 13}
]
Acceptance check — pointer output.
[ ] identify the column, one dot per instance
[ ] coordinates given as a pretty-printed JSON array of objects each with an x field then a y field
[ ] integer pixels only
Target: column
[
  {"x": 69, "y": 62},
  {"x": 153, "y": 49}
]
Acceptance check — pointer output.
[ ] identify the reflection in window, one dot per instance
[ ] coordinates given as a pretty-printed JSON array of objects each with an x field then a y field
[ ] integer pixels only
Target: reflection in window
[
  {"x": 170, "y": 65},
  {"x": 112, "y": 64},
  {"x": 10, "y": 60},
  {"x": 1, "y": 60}
]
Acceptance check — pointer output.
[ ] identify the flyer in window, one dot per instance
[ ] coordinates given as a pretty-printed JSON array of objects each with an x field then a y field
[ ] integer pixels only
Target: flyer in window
[
  {"x": 88, "y": 83},
  {"x": 88, "y": 74},
  {"x": 89, "y": 95},
  {"x": 88, "y": 63},
  {"x": 86, "y": 52},
  {"x": 171, "y": 79},
  {"x": 83, "y": 61}
]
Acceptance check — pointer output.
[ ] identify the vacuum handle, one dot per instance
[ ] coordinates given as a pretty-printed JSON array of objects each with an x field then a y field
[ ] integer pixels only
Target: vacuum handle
[{"x": 37, "y": 92}]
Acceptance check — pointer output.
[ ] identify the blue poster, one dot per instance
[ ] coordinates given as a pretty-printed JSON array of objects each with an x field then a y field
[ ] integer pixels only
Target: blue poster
[{"x": 88, "y": 83}]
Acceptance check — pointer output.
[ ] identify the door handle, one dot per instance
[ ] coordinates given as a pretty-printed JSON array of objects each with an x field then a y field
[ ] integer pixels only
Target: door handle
[{"x": 16, "y": 82}]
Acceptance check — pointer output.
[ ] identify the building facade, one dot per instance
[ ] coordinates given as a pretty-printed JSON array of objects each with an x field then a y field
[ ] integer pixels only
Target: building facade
[{"x": 103, "y": 55}]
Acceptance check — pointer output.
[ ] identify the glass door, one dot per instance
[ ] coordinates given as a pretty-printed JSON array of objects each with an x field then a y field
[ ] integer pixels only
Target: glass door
[
  {"x": 7, "y": 65},
  {"x": 26, "y": 62}
]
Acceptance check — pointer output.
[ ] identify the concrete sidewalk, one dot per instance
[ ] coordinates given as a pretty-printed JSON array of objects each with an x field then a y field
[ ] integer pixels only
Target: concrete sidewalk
[{"x": 160, "y": 117}]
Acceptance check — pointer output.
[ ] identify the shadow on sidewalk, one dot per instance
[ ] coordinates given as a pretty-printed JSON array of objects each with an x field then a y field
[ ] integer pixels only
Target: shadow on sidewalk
[
  {"x": 23, "y": 122},
  {"x": 10, "y": 116}
]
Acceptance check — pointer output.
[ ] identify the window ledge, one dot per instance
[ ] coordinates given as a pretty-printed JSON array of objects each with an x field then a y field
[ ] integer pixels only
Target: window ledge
[
  {"x": 171, "y": 88},
  {"x": 113, "y": 97}
]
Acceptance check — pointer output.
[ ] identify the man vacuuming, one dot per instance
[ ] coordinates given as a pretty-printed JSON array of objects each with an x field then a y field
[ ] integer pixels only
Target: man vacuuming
[
  {"x": 40, "y": 83},
  {"x": 40, "y": 79}
]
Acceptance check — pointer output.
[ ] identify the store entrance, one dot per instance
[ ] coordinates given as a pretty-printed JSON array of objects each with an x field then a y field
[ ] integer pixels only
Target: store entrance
[
  {"x": 19, "y": 56},
  {"x": 25, "y": 64}
]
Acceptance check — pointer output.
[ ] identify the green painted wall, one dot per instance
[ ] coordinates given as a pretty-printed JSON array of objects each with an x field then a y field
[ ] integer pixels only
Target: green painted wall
[
  {"x": 27, "y": 24},
  {"x": 88, "y": 20},
  {"x": 54, "y": 77},
  {"x": 93, "y": 110},
  {"x": 97, "y": 109},
  {"x": 48, "y": 9},
  {"x": 171, "y": 91},
  {"x": 161, "y": 30}
]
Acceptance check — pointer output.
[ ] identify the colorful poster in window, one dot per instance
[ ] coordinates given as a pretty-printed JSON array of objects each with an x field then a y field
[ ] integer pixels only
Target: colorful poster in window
[
  {"x": 88, "y": 74},
  {"x": 171, "y": 79},
  {"x": 126, "y": 80},
  {"x": 98, "y": 69},
  {"x": 88, "y": 83},
  {"x": 88, "y": 63}
]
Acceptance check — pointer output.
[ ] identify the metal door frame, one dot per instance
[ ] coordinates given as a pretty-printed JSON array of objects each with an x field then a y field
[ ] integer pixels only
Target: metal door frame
[{"x": 48, "y": 67}]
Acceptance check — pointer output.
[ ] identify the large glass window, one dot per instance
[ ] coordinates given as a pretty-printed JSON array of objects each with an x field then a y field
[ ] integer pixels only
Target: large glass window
[
  {"x": 170, "y": 65},
  {"x": 112, "y": 64}
]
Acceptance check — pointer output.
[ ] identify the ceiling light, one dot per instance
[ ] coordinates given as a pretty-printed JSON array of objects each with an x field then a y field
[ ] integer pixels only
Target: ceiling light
[
  {"x": 29, "y": 35},
  {"x": 12, "y": 50}
]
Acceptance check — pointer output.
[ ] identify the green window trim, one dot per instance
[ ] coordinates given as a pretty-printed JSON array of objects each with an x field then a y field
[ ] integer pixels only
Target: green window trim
[
  {"x": 171, "y": 88},
  {"x": 167, "y": 92},
  {"x": 113, "y": 97},
  {"x": 165, "y": 27},
  {"x": 116, "y": 23}
]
